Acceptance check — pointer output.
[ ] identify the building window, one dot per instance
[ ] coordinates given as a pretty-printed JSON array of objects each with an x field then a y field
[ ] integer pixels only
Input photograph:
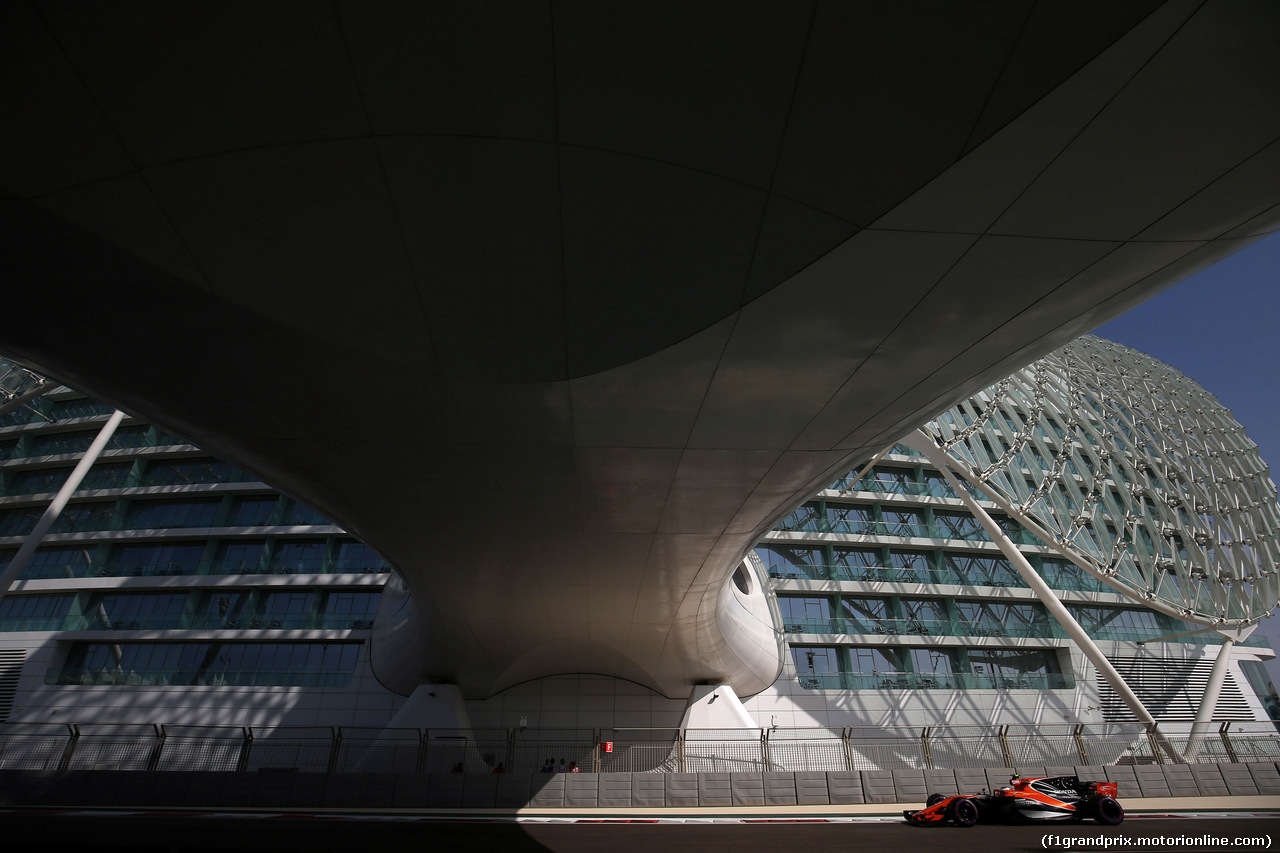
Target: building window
[
  {"x": 1122, "y": 623},
  {"x": 299, "y": 557},
  {"x": 1012, "y": 662},
  {"x": 350, "y": 609},
  {"x": 805, "y": 614},
  {"x": 181, "y": 472},
  {"x": 980, "y": 570},
  {"x": 864, "y": 615},
  {"x": 998, "y": 619},
  {"x": 937, "y": 486},
  {"x": 1063, "y": 574},
  {"x": 252, "y": 511},
  {"x": 911, "y": 566},
  {"x": 34, "y": 612},
  {"x": 58, "y": 561},
  {"x": 892, "y": 481},
  {"x": 786, "y": 562},
  {"x": 241, "y": 557},
  {"x": 935, "y": 661},
  {"x": 223, "y": 609},
  {"x": 179, "y": 512},
  {"x": 135, "y": 611},
  {"x": 296, "y": 515},
  {"x": 847, "y": 518},
  {"x": 111, "y": 475},
  {"x": 805, "y": 518},
  {"x": 359, "y": 557},
  {"x": 931, "y": 611},
  {"x": 858, "y": 558},
  {"x": 903, "y": 522},
  {"x": 286, "y": 610},
  {"x": 85, "y": 517},
  {"x": 956, "y": 525},
  {"x": 209, "y": 664},
  {"x": 81, "y": 408},
  {"x": 20, "y": 520},
  {"x": 816, "y": 660},
  {"x": 873, "y": 661},
  {"x": 172, "y": 558},
  {"x": 132, "y": 663},
  {"x": 852, "y": 564}
]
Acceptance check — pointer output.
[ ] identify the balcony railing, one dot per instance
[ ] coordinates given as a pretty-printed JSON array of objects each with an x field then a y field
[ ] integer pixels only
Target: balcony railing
[
  {"x": 935, "y": 681},
  {"x": 165, "y": 622},
  {"x": 309, "y": 749},
  {"x": 71, "y": 675},
  {"x": 284, "y": 622},
  {"x": 890, "y": 627},
  {"x": 888, "y": 574},
  {"x": 32, "y": 623},
  {"x": 83, "y": 569},
  {"x": 922, "y": 627},
  {"x": 901, "y": 529},
  {"x": 894, "y": 487}
]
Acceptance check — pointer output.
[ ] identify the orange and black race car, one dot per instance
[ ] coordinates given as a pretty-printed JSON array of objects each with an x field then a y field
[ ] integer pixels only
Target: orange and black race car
[{"x": 1038, "y": 798}]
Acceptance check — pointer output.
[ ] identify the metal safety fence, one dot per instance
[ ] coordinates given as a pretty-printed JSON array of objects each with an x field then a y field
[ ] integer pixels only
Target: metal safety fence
[{"x": 99, "y": 746}]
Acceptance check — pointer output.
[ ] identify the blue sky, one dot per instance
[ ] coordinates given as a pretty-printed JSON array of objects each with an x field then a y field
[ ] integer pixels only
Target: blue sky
[{"x": 1221, "y": 327}]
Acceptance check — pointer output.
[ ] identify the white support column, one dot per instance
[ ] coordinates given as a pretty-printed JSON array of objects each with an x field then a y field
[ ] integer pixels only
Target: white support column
[
  {"x": 59, "y": 501},
  {"x": 433, "y": 706},
  {"x": 716, "y": 706},
  {"x": 934, "y": 454},
  {"x": 1209, "y": 702},
  {"x": 22, "y": 399}
]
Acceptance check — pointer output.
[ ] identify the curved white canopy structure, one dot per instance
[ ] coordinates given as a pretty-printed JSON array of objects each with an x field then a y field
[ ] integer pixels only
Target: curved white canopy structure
[{"x": 560, "y": 305}]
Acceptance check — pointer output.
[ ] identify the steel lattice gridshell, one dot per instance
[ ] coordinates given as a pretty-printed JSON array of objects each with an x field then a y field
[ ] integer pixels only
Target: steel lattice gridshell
[{"x": 1132, "y": 471}]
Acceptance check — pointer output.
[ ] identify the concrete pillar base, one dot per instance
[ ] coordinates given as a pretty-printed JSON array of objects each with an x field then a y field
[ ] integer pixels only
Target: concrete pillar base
[
  {"x": 716, "y": 706},
  {"x": 432, "y": 706}
]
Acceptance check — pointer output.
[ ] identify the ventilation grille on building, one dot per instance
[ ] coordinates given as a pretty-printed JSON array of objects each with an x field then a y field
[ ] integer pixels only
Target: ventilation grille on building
[
  {"x": 10, "y": 668},
  {"x": 1171, "y": 690}
]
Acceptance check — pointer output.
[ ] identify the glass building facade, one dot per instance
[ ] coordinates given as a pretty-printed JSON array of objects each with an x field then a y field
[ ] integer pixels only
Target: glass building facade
[
  {"x": 200, "y": 594},
  {"x": 169, "y": 568},
  {"x": 887, "y": 583}
]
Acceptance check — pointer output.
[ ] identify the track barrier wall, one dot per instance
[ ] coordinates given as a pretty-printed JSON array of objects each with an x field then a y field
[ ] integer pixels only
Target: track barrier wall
[{"x": 100, "y": 765}]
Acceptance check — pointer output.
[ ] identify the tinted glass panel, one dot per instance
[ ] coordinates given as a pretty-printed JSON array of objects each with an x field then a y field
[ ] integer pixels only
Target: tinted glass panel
[
  {"x": 179, "y": 558},
  {"x": 358, "y": 557},
  {"x": 300, "y": 556},
  {"x": 253, "y": 511},
  {"x": 298, "y": 514},
  {"x": 187, "y": 471},
  {"x": 77, "y": 518},
  {"x": 172, "y": 513}
]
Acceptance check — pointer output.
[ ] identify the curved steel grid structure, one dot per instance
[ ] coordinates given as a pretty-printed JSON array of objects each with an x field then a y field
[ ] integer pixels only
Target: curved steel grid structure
[
  {"x": 1132, "y": 471},
  {"x": 17, "y": 382}
]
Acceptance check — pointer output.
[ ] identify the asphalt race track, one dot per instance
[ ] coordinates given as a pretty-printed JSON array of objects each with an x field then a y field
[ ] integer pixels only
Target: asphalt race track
[{"x": 52, "y": 831}]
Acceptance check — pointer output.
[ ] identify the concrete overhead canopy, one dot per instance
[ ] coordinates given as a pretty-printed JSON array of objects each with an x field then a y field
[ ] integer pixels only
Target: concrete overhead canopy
[{"x": 559, "y": 305}]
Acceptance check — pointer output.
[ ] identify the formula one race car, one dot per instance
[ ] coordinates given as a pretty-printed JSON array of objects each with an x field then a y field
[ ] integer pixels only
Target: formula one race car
[{"x": 1038, "y": 798}]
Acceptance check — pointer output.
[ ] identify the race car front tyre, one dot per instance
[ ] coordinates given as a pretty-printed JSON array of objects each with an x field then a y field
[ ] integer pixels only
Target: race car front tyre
[
  {"x": 963, "y": 812},
  {"x": 1107, "y": 811},
  {"x": 934, "y": 799}
]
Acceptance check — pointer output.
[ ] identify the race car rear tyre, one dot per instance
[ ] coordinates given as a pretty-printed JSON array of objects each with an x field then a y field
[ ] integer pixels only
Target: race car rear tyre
[
  {"x": 963, "y": 812},
  {"x": 1107, "y": 811},
  {"x": 934, "y": 799}
]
